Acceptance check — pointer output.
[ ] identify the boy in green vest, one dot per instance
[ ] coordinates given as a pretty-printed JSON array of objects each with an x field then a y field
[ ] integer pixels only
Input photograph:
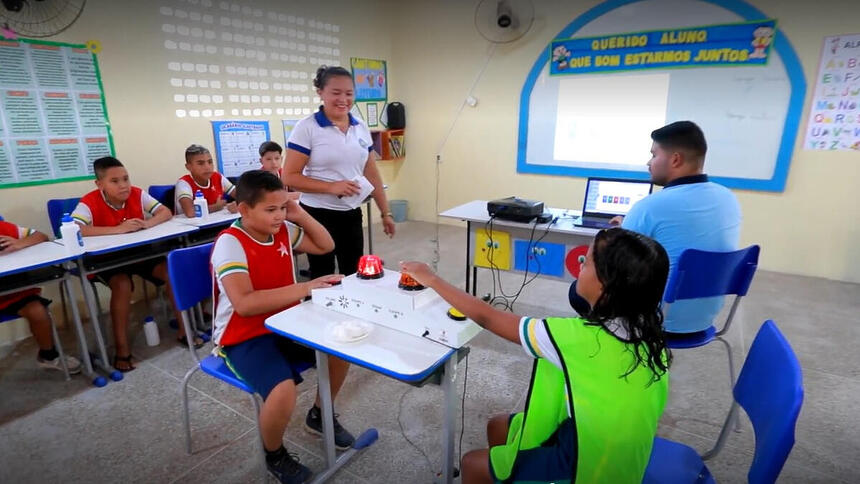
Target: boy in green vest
[{"x": 598, "y": 385}]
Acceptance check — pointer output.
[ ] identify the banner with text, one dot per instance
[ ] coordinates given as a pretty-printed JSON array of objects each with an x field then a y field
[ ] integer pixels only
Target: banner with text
[
  {"x": 53, "y": 118},
  {"x": 738, "y": 44}
]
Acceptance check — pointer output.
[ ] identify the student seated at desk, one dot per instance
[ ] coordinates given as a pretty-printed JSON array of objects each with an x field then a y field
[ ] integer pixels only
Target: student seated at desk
[
  {"x": 203, "y": 178},
  {"x": 270, "y": 157},
  {"x": 254, "y": 279},
  {"x": 599, "y": 383},
  {"x": 29, "y": 304},
  {"x": 118, "y": 207}
]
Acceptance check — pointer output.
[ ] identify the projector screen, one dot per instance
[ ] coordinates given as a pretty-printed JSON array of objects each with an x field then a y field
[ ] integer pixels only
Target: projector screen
[{"x": 590, "y": 129}]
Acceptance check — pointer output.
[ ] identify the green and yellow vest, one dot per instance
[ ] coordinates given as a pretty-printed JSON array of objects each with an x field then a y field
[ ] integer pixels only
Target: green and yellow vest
[{"x": 615, "y": 417}]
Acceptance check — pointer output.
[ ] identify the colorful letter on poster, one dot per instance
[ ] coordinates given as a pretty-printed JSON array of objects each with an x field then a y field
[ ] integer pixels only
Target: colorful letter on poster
[
  {"x": 834, "y": 116},
  {"x": 371, "y": 79},
  {"x": 744, "y": 44}
]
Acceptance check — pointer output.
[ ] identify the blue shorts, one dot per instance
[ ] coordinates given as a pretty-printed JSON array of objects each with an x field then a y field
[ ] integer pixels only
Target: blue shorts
[
  {"x": 553, "y": 461},
  {"x": 265, "y": 361}
]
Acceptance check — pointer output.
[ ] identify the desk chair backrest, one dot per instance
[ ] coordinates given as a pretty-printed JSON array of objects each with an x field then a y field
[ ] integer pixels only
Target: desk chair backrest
[
  {"x": 164, "y": 194},
  {"x": 56, "y": 208},
  {"x": 1, "y": 218},
  {"x": 190, "y": 275},
  {"x": 700, "y": 273}
]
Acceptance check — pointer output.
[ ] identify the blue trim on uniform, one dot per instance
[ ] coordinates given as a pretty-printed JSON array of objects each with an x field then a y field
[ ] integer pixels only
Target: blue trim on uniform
[
  {"x": 299, "y": 148},
  {"x": 324, "y": 122},
  {"x": 793, "y": 68},
  {"x": 686, "y": 180},
  {"x": 369, "y": 149}
]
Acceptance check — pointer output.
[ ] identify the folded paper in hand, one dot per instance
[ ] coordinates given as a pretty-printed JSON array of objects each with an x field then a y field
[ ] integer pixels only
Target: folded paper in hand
[{"x": 366, "y": 189}]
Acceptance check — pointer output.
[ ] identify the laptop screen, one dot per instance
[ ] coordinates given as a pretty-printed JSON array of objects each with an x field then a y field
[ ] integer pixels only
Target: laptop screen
[{"x": 610, "y": 197}]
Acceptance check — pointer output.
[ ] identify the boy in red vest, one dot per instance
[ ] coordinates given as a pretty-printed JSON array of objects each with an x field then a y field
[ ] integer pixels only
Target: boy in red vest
[
  {"x": 203, "y": 178},
  {"x": 270, "y": 157},
  {"x": 118, "y": 207},
  {"x": 29, "y": 304},
  {"x": 255, "y": 278}
]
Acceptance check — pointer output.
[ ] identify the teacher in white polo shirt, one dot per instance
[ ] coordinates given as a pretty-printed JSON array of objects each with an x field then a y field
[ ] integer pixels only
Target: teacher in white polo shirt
[{"x": 330, "y": 161}]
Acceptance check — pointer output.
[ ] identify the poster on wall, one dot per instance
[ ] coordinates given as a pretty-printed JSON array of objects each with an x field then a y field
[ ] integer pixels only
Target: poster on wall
[
  {"x": 736, "y": 44},
  {"x": 288, "y": 125},
  {"x": 371, "y": 79},
  {"x": 834, "y": 116},
  {"x": 53, "y": 117},
  {"x": 237, "y": 145}
]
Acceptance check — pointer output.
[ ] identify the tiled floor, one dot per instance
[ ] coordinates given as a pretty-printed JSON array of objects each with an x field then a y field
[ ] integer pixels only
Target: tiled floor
[{"x": 52, "y": 431}]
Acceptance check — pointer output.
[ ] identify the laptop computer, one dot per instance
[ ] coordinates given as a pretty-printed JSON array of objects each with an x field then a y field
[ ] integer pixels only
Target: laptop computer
[{"x": 606, "y": 198}]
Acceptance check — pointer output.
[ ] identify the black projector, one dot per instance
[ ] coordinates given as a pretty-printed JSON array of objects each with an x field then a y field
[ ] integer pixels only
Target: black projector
[{"x": 514, "y": 208}]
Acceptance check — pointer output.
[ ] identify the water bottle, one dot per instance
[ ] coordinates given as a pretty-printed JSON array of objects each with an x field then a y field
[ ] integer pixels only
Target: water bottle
[
  {"x": 70, "y": 232},
  {"x": 201, "y": 206},
  {"x": 150, "y": 330}
]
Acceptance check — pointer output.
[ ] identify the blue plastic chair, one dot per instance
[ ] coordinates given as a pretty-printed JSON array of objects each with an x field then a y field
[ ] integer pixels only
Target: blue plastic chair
[
  {"x": 56, "y": 208},
  {"x": 701, "y": 274},
  {"x": 770, "y": 390},
  {"x": 164, "y": 194},
  {"x": 191, "y": 276}
]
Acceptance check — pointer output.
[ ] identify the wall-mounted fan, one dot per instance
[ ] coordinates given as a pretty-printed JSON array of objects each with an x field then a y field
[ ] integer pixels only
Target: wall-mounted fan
[
  {"x": 40, "y": 18},
  {"x": 503, "y": 21}
]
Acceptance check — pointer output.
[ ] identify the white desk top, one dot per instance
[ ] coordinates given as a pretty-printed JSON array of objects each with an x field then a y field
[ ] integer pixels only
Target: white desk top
[
  {"x": 385, "y": 350},
  {"x": 221, "y": 217},
  {"x": 476, "y": 211},
  {"x": 34, "y": 257},
  {"x": 101, "y": 244}
]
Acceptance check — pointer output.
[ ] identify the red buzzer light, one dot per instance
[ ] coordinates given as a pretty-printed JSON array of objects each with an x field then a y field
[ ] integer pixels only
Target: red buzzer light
[{"x": 370, "y": 267}]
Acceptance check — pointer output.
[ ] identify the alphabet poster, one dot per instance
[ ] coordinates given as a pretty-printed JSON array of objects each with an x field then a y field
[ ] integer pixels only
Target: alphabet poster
[{"x": 834, "y": 116}]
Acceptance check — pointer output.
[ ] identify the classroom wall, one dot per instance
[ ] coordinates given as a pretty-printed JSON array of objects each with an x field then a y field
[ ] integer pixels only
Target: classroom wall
[
  {"x": 437, "y": 54},
  {"x": 148, "y": 137}
]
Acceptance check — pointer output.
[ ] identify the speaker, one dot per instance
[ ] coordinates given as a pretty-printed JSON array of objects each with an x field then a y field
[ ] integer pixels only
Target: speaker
[{"x": 396, "y": 114}]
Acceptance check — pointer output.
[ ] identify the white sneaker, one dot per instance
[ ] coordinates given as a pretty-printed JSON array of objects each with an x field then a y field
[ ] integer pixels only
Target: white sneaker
[{"x": 72, "y": 363}]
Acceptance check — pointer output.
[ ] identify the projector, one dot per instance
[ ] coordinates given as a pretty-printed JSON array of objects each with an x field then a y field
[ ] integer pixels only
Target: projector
[{"x": 514, "y": 208}]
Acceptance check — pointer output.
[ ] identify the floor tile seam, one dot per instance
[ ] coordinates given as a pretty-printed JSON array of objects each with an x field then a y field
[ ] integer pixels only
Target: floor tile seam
[{"x": 211, "y": 456}]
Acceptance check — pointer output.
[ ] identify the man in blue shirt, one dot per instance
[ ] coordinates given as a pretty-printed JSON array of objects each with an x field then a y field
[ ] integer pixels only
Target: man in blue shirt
[{"x": 689, "y": 213}]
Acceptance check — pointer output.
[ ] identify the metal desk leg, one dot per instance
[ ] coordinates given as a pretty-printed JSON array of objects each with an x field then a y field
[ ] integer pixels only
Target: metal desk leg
[
  {"x": 468, "y": 242},
  {"x": 450, "y": 404},
  {"x": 369, "y": 231},
  {"x": 368, "y": 437},
  {"x": 89, "y": 297},
  {"x": 98, "y": 380}
]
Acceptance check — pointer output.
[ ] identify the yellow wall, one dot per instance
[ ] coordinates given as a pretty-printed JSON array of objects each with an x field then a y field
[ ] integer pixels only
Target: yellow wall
[
  {"x": 437, "y": 54},
  {"x": 148, "y": 137}
]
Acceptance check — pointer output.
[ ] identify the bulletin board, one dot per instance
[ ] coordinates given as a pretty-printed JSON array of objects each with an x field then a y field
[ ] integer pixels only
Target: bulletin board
[
  {"x": 53, "y": 117},
  {"x": 237, "y": 145},
  {"x": 627, "y": 67}
]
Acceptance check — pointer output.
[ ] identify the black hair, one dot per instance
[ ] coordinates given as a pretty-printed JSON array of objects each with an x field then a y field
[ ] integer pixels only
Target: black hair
[
  {"x": 194, "y": 150},
  {"x": 324, "y": 73},
  {"x": 268, "y": 146},
  {"x": 101, "y": 165},
  {"x": 682, "y": 135},
  {"x": 254, "y": 184},
  {"x": 633, "y": 270}
]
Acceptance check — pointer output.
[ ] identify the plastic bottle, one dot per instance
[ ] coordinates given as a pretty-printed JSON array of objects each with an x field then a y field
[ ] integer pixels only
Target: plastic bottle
[
  {"x": 201, "y": 207},
  {"x": 150, "y": 330},
  {"x": 70, "y": 233}
]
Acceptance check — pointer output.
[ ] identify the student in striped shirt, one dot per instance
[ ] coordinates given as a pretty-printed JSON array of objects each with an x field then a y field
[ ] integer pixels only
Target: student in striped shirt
[
  {"x": 599, "y": 382},
  {"x": 29, "y": 304},
  {"x": 118, "y": 207}
]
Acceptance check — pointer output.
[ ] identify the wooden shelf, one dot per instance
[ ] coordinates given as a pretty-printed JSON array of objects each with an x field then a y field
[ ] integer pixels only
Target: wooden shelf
[{"x": 389, "y": 144}]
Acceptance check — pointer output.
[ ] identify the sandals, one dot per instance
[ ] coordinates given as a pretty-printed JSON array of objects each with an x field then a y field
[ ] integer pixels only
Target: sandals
[
  {"x": 126, "y": 360},
  {"x": 183, "y": 341}
]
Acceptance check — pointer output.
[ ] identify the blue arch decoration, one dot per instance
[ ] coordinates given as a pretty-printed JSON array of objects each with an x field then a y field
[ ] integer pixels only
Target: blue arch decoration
[{"x": 789, "y": 132}]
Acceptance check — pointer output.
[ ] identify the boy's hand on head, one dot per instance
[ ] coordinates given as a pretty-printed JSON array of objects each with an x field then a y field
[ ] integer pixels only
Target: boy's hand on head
[
  {"x": 9, "y": 245},
  {"x": 419, "y": 271},
  {"x": 344, "y": 188},
  {"x": 324, "y": 281},
  {"x": 231, "y": 207},
  {"x": 295, "y": 212}
]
